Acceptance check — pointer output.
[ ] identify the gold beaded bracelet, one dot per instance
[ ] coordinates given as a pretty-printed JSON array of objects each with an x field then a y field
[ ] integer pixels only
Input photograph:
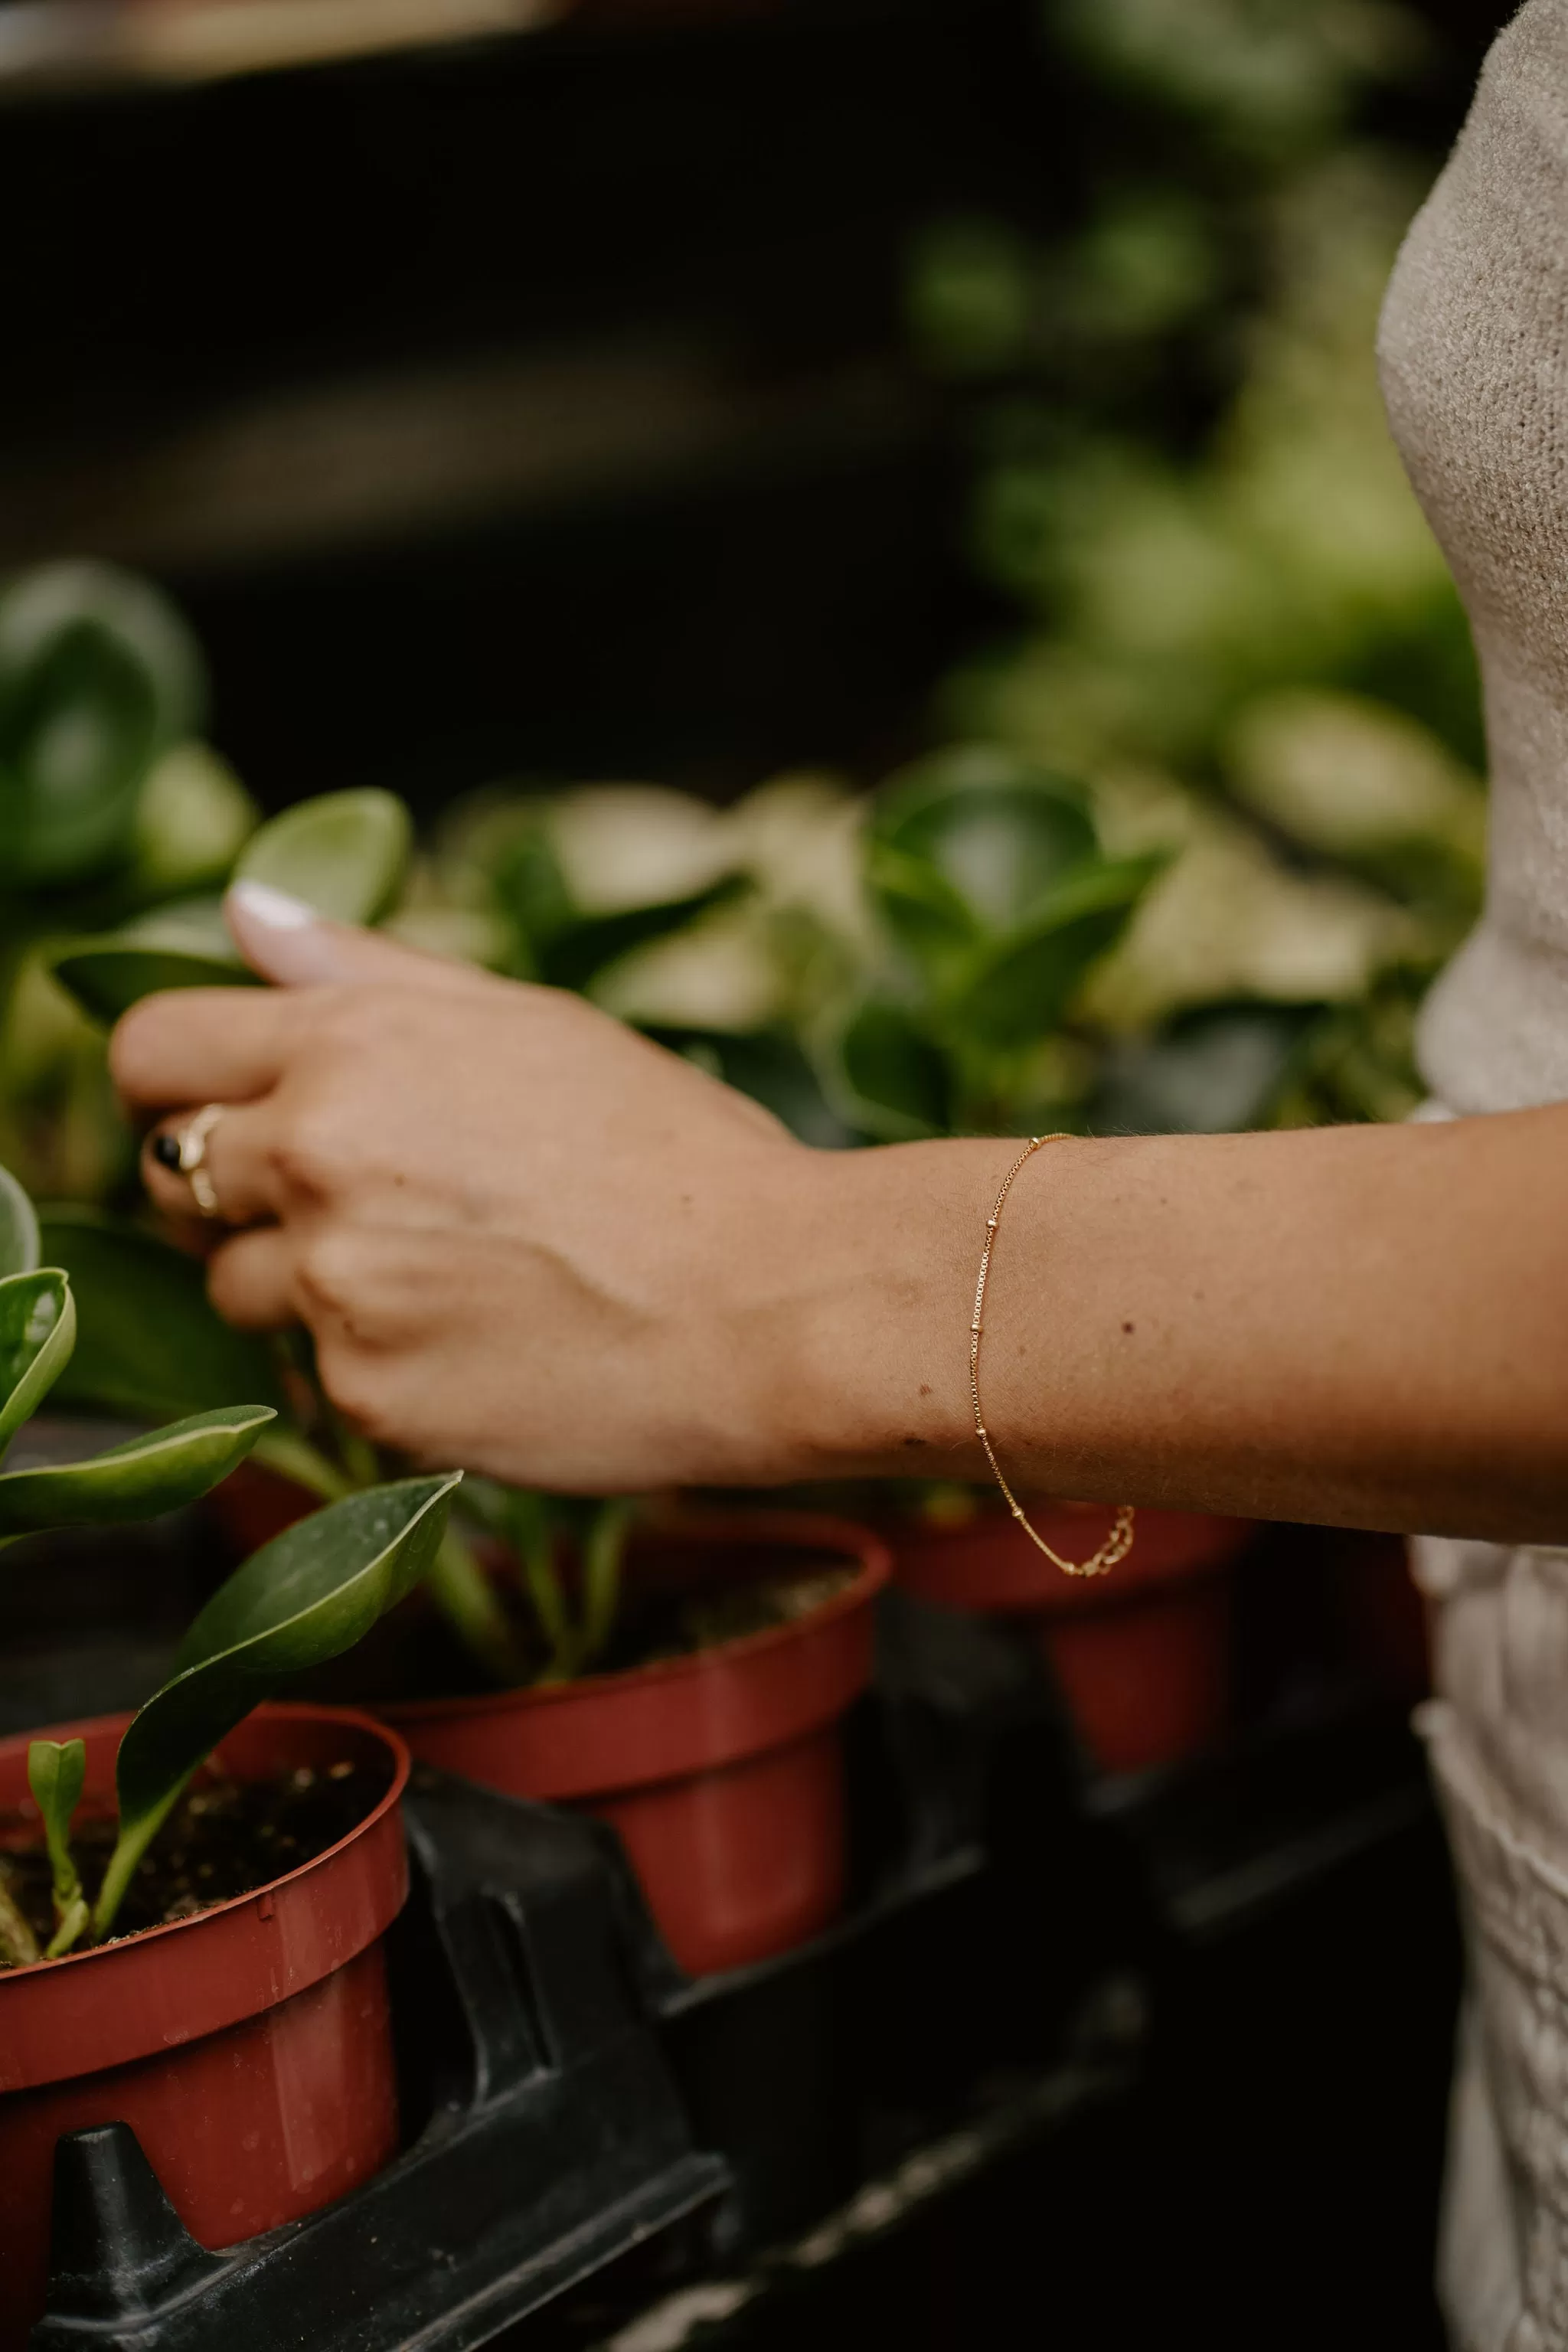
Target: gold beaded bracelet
[{"x": 1119, "y": 1542}]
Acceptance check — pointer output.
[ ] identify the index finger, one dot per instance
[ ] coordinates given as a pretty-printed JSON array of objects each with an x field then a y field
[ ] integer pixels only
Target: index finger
[{"x": 203, "y": 1045}]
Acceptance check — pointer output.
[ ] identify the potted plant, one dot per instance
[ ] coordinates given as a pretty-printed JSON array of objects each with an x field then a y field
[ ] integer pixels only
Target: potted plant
[
  {"x": 192, "y": 1898},
  {"x": 686, "y": 1684},
  {"x": 998, "y": 903},
  {"x": 744, "y": 1709},
  {"x": 692, "y": 1699}
]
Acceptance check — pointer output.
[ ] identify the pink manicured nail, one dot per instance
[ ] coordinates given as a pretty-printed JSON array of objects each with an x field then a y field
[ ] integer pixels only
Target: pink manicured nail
[{"x": 274, "y": 909}]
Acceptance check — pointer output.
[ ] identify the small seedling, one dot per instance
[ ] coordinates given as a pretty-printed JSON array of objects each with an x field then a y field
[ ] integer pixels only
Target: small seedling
[
  {"x": 150, "y": 1336},
  {"x": 306, "y": 1597},
  {"x": 57, "y": 1774},
  {"x": 575, "y": 1623}
]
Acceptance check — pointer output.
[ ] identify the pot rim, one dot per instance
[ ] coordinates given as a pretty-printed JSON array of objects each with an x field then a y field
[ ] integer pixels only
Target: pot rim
[
  {"x": 275, "y": 1709},
  {"x": 862, "y": 1545}
]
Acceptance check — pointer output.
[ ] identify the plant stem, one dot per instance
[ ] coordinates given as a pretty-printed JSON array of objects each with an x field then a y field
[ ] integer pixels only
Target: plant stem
[
  {"x": 129, "y": 1848},
  {"x": 547, "y": 1597},
  {"x": 602, "y": 1556},
  {"x": 18, "y": 1945},
  {"x": 73, "y": 1919},
  {"x": 471, "y": 1606},
  {"x": 293, "y": 1457}
]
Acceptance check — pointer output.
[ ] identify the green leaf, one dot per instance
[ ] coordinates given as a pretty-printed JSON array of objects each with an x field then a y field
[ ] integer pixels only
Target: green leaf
[
  {"x": 108, "y": 976},
  {"x": 920, "y": 907},
  {"x": 183, "y": 945},
  {"x": 1016, "y": 989},
  {"x": 192, "y": 817},
  {"x": 576, "y": 956},
  {"x": 1217, "y": 1070},
  {"x": 997, "y": 833},
  {"x": 308, "y": 1595},
  {"x": 148, "y": 1339},
  {"x": 98, "y": 674},
  {"x": 344, "y": 853},
  {"x": 517, "y": 853},
  {"x": 37, "y": 1325},
  {"x": 18, "y": 1227},
  {"x": 160, "y": 1471},
  {"x": 895, "y": 1078},
  {"x": 57, "y": 1774}
]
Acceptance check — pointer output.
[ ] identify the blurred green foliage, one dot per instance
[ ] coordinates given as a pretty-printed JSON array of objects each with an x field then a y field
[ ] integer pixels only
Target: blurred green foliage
[
  {"x": 110, "y": 803},
  {"x": 1233, "y": 623},
  {"x": 1209, "y": 817}
]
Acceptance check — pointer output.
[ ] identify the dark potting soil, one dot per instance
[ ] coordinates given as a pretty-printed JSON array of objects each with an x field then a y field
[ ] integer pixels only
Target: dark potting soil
[
  {"x": 678, "y": 1625},
  {"x": 225, "y": 1838}
]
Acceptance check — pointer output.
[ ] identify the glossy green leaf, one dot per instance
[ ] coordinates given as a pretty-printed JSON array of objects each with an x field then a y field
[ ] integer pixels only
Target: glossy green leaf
[
  {"x": 344, "y": 853},
  {"x": 38, "y": 1324},
  {"x": 160, "y": 1471},
  {"x": 98, "y": 674},
  {"x": 306, "y": 1596},
  {"x": 18, "y": 1227},
  {"x": 148, "y": 1339},
  {"x": 896, "y": 1078},
  {"x": 1016, "y": 989}
]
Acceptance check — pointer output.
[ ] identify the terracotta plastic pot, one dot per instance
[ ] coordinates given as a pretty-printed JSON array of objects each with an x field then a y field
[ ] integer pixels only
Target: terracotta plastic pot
[
  {"x": 1142, "y": 1656},
  {"x": 723, "y": 1772},
  {"x": 249, "y": 2048}
]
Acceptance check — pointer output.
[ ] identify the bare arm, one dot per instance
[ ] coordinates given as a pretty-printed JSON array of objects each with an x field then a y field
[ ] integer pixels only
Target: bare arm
[
  {"x": 1357, "y": 1324},
  {"x": 529, "y": 1241}
]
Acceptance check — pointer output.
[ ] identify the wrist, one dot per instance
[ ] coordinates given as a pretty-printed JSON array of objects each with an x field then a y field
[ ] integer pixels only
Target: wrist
[{"x": 849, "y": 1348}]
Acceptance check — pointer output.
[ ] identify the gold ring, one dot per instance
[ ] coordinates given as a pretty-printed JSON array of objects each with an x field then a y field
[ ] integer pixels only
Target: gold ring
[{"x": 192, "y": 1142}]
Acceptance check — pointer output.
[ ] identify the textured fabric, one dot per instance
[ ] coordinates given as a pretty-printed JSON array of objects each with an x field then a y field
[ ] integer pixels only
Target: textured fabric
[{"x": 1474, "y": 350}]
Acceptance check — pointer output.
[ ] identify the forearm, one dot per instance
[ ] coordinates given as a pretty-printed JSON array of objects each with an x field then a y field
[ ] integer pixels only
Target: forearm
[{"x": 1363, "y": 1325}]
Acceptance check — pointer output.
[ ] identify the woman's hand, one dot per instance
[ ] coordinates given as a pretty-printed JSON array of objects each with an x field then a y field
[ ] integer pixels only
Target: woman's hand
[
  {"x": 523, "y": 1238},
  {"x": 521, "y": 1235}
]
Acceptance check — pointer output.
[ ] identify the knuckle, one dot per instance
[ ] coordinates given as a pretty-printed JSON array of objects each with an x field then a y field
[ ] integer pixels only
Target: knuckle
[
  {"x": 361, "y": 1019},
  {"x": 314, "y": 1153}
]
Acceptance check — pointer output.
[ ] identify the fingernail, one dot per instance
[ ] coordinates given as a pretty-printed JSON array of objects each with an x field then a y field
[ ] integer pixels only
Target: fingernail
[{"x": 274, "y": 908}]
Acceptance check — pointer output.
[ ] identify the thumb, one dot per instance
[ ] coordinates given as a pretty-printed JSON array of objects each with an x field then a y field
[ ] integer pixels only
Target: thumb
[{"x": 286, "y": 941}]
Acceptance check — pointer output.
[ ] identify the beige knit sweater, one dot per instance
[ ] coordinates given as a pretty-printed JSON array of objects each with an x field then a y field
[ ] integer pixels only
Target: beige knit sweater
[{"x": 1475, "y": 360}]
